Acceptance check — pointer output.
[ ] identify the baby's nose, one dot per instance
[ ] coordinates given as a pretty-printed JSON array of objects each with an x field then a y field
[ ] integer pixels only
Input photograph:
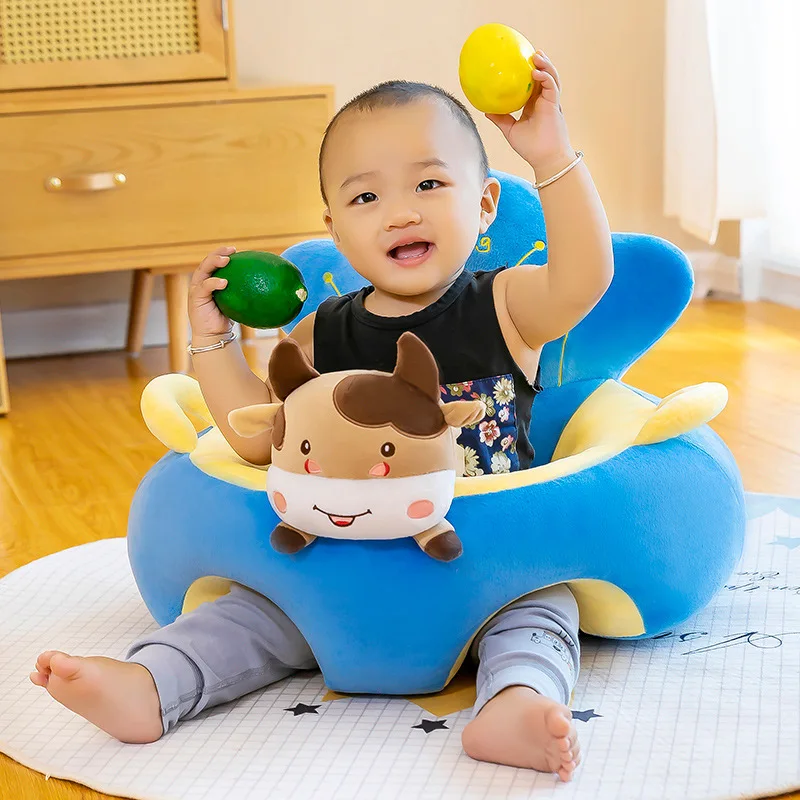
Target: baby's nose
[{"x": 401, "y": 216}]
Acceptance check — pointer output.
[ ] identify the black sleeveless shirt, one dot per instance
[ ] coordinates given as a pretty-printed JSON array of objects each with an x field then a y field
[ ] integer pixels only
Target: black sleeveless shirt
[{"x": 463, "y": 333}]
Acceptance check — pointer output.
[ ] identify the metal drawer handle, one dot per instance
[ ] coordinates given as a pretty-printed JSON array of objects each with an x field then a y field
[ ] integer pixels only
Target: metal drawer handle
[{"x": 88, "y": 182}]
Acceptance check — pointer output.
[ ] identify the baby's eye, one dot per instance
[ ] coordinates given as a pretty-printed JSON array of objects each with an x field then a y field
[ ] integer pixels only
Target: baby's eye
[
  {"x": 429, "y": 184},
  {"x": 365, "y": 197}
]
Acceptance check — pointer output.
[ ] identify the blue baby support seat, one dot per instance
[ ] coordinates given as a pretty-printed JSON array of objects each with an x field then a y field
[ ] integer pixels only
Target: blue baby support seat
[{"x": 637, "y": 506}]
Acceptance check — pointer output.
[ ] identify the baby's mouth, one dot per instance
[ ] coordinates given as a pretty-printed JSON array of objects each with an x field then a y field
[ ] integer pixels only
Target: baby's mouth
[
  {"x": 410, "y": 253},
  {"x": 341, "y": 521}
]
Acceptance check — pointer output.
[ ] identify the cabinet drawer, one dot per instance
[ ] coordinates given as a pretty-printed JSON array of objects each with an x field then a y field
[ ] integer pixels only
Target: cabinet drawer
[{"x": 193, "y": 172}]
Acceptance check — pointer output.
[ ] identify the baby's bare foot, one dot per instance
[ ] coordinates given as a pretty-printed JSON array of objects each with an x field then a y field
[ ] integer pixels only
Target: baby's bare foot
[
  {"x": 520, "y": 728},
  {"x": 117, "y": 696}
]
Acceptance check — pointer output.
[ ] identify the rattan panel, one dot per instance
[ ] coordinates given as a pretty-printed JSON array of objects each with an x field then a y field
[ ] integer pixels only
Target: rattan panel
[{"x": 36, "y": 31}]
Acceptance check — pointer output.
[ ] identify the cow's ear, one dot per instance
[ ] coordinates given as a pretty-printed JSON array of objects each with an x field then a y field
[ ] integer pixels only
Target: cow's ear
[
  {"x": 252, "y": 420},
  {"x": 416, "y": 365},
  {"x": 289, "y": 368},
  {"x": 463, "y": 412}
]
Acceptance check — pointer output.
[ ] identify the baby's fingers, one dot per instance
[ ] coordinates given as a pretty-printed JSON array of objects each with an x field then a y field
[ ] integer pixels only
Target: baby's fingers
[
  {"x": 503, "y": 121},
  {"x": 212, "y": 262},
  {"x": 542, "y": 62},
  {"x": 549, "y": 86},
  {"x": 210, "y": 285}
]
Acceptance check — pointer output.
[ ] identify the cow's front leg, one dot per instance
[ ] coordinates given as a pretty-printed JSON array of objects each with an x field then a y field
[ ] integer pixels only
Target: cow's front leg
[
  {"x": 440, "y": 542},
  {"x": 286, "y": 539}
]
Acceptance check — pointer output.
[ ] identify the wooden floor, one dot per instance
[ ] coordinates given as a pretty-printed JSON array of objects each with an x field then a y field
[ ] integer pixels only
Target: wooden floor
[{"x": 74, "y": 447}]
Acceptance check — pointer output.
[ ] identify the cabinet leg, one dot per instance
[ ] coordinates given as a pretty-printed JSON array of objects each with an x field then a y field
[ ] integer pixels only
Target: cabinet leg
[
  {"x": 176, "y": 286},
  {"x": 5, "y": 400},
  {"x": 141, "y": 294}
]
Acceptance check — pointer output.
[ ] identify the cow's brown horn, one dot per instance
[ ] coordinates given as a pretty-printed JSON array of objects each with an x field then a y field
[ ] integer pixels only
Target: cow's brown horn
[
  {"x": 416, "y": 365},
  {"x": 289, "y": 368}
]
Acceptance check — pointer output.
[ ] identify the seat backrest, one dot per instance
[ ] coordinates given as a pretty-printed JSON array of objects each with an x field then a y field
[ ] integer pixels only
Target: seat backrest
[{"x": 652, "y": 285}]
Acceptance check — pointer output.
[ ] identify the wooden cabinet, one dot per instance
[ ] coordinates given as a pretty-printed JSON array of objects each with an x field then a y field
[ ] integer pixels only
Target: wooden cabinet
[
  {"x": 57, "y": 43},
  {"x": 113, "y": 181},
  {"x": 120, "y": 177}
]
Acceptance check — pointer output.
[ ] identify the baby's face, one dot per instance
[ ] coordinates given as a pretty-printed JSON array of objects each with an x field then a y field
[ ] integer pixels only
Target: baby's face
[{"x": 406, "y": 200}]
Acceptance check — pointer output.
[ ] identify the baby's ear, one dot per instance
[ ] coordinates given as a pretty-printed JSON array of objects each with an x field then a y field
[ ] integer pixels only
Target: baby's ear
[
  {"x": 328, "y": 220},
  {"x": 252, "y": 420},
  {"x": 463, "y": 412}
]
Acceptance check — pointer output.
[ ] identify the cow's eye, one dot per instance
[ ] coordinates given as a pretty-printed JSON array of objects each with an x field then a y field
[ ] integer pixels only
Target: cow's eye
[
  {"x": 387, "y": 449},
  {"x": 305, "y": 447}
]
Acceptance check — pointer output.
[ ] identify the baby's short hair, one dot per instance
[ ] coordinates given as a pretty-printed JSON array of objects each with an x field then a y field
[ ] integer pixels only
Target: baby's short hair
[{"x": 400, "y": 93}]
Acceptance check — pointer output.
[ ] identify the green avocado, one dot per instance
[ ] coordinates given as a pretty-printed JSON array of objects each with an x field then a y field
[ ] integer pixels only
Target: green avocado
[{"x": 263, "y": 291}]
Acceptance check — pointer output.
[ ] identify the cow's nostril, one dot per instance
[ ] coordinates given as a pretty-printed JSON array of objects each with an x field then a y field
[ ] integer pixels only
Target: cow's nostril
[
  {"x": 280, "y": 502},
  {"x": 420, "y": 509}
]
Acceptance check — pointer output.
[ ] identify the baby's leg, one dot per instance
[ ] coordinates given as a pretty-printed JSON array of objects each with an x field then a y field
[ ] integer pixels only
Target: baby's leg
[
  {"x": 221, "y": 651},
  {"x": 529, "y": 660}
]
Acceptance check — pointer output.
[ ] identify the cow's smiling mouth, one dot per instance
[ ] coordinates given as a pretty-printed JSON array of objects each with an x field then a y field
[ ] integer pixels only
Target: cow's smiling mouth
[{"x": 341, "y": 521}]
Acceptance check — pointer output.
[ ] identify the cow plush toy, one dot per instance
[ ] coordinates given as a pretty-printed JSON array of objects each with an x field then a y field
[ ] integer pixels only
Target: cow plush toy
[{"x": 361, "y": 454}]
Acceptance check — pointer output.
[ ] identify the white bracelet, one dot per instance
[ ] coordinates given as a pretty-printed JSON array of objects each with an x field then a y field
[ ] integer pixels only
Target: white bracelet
[
  {"x": 574, "y": 163},
  {"x": 216, "y": 346}
]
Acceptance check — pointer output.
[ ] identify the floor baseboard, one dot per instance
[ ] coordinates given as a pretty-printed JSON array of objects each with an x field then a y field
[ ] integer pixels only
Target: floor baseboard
[
  {"x": 715, "y": 272},
  {"x": 80, "y": 329},
  {"x": 781, "y": 284}
]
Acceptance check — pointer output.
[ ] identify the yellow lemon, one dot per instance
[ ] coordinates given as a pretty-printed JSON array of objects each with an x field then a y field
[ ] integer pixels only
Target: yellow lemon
[{"x": 495, "y": 69}]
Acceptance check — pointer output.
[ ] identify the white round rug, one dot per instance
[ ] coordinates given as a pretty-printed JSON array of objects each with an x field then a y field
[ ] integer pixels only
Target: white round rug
[{"x": 710, "y": 711}]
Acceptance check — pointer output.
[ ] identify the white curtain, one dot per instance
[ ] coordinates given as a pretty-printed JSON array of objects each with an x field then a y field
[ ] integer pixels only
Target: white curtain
[{"x": 732, "y": 139}]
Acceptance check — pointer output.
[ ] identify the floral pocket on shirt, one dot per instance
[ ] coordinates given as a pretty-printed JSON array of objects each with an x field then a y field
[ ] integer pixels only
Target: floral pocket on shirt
[{"x": 490, "y": 446}]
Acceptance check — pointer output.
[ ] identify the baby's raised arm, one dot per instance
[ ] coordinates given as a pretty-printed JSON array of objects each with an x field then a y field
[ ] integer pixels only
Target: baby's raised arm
[
  {"x": 546, "y": 302},
  {"x": 225, "y": 378}
]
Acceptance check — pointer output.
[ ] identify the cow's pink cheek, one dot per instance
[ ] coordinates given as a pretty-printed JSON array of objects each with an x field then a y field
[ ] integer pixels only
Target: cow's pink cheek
[
  {"x": 420, "y": 509},
  {"x": 380, "y": 470},
  {"x": 312, "y": 467},
  {"x": 280, "y": 502}
]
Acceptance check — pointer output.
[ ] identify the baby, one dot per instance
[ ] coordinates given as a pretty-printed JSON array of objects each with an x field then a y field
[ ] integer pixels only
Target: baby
[{"x": 404, "y": 177}]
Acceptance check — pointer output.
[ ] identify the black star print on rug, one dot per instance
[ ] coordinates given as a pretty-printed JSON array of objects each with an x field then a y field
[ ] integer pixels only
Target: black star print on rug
[
  {"x": 302, "y": 708},
  {"x": 429, "y": 725},
  {"x": 585, "y": 716}
]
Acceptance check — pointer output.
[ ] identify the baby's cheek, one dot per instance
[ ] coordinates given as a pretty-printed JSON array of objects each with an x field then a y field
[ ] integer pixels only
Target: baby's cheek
[
  {"x": 280, "y": 502},
  {"x": 420, "y": 509}
]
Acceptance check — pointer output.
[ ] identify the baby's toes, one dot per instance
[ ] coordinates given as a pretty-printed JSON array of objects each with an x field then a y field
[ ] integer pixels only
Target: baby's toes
[
  {"x": 556, "y": 753},
  {"x": 566, "y": 772},
  {"x": 39, "y": 679},
  {"x": 65, "y": 666},
  {"x": 43, "y": 662}
]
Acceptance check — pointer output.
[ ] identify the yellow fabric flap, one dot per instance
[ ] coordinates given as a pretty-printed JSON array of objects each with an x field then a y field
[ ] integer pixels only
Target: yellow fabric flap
[
  {"x": 214, "y": 456},
  {"x": 168, "y": 403},
  {"x": 683, "y": 411},
  {"x": 615, "y": 417}
]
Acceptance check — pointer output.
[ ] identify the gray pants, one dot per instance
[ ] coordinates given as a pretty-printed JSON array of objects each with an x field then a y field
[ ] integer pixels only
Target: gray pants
[{"x": 243, "y": 642}]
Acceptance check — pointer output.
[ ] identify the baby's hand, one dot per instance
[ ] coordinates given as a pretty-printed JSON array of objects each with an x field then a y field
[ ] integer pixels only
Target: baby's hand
[
  {"x": 540, "y": 134},
  {"x": 204, "y": 316}
]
